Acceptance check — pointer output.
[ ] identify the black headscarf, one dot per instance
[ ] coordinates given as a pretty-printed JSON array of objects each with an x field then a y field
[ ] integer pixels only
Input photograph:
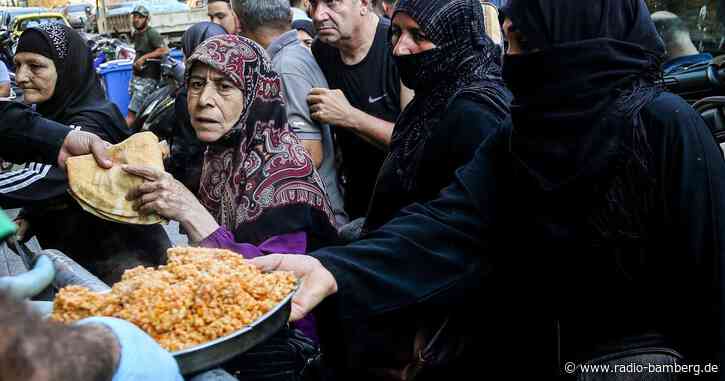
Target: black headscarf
[
  {"x": 79, "y": 98},
  {"x": 305, "y": 25},
  {"x": 590, "y": 69},
  {"x": 197, "y": 34},
  {"x": 464, "y": 63}
]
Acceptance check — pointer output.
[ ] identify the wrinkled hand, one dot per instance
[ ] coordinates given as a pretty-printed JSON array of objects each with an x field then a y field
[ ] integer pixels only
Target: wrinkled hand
[
  {"x": 330, "y": 106},
  {"x": 317, "y": 282},
  {"x": 82, "y": 143},
  {"x": 161, "y": 193}
]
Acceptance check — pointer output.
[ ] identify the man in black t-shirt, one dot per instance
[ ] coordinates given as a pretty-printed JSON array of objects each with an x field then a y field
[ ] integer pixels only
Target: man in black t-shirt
[{"x": 365, "y": 95}]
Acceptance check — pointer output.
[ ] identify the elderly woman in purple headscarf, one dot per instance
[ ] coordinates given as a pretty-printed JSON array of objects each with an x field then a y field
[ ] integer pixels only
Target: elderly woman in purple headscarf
[{"x": 259, "y": 191}]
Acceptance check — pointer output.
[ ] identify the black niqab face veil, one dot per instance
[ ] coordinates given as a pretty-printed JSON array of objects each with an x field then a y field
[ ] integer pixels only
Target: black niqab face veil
[
  {"x": 578, "y": 93},
  {"x": 465, "y": 62},
  {"x": 78, "y": 95}
]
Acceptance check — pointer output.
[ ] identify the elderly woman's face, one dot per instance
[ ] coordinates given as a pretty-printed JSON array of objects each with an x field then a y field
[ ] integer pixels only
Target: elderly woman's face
[
  {"x": 215, "y": 103},
  {"x": 407, "y": 37},
  {"x": 36, "y": 75}
]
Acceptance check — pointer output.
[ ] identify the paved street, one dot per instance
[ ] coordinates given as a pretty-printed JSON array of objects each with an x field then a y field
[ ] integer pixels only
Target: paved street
[{"x": 177, "y": 239}]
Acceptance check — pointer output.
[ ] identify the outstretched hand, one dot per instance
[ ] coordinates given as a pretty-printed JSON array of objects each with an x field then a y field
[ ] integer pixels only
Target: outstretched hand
[
  {"x": 317, "y": 282},
  {"x": 82, "y": 143}
]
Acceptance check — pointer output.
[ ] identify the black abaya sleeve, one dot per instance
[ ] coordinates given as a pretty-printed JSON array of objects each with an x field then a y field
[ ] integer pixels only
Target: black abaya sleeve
[
  {"x": 693, "y": 171},
  {"x": 25, "y": 135},
  {"x": 428, "y": 249},
  {"x": 37, "y": 184}
]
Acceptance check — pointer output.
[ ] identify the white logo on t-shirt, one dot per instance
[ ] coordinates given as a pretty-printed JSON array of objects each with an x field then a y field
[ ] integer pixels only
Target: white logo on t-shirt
[{"x": 374, "y": 100}]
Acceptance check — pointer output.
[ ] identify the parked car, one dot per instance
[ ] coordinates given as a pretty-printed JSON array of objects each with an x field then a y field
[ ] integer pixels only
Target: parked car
[
  {"x": 7, "y": 15},
  {"x": 77, "y": 15},
  {"x": 22, "y": 22}
]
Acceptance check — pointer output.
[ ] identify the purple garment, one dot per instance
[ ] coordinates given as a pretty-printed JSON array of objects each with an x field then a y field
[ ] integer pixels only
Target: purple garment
[{"x": 292, "y": 243}]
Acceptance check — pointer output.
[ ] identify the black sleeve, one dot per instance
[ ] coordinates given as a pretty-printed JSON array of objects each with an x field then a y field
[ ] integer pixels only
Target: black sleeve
[
  {"x": 428, "y": 249},
  {"x": 37, "y": 183},
  {"x": 25, "y": 135},
  {"x": 693, "y": 171},
  {"x": 467, "y": 123}
]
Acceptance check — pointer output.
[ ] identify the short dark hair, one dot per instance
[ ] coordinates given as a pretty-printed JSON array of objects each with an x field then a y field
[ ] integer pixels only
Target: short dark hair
[
  {"x": 257, "y": 13},
  {"x": 295, "y": 3},
  {"x": 28, "y": 343}
]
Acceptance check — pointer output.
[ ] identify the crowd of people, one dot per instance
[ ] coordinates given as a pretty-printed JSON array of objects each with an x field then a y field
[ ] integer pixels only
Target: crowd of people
[{"x": 458, "y": 205}]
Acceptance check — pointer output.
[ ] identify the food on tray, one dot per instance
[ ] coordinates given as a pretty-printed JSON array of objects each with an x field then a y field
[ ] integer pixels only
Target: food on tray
[
  {"x": 102, "y": 192},
  {"x": 199, "y": 296}
]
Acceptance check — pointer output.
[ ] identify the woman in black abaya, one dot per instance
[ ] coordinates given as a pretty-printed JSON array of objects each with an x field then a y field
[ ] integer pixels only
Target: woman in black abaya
[
  {"x": 55, "y": 70},
  {"x": 595, "y": 226},
  {"x": 443, "y": 53}
]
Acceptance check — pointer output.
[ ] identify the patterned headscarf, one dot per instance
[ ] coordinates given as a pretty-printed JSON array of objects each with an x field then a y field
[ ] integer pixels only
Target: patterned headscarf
[
  {"x": 78, "y": 98},
  {"x": 259, "y": 166},
  {"x": 465, "y": 62}
]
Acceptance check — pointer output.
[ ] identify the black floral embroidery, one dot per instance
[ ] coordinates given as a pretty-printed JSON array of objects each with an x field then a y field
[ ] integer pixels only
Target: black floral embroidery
[{"x": 58, "y": 38}]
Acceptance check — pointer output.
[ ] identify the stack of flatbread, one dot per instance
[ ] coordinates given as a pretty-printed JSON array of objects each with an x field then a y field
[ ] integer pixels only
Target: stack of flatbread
[{"x": 102, "y": 192}]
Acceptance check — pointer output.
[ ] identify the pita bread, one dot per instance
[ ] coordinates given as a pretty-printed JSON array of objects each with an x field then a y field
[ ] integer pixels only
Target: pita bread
[
  {"x": 102, "y": 192},
  {"x": 150, "y": 219}
]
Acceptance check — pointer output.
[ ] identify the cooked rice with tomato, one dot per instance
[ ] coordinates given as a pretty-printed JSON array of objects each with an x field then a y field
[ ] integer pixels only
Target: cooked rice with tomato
[{"x": 198, "y": 296}]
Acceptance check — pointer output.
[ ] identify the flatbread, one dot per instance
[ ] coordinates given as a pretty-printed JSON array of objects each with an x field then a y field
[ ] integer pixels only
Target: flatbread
[
  {"x": 102, "y": 191},
  {"x": 149, "y": 219}
]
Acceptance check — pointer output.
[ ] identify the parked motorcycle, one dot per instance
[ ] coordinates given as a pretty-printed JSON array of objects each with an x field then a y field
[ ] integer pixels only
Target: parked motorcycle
[
  {"x": 104, "y": 48},
  {"x": 703, "y": 86},
  {"x": 157, "y": 111},
  {"x": 7, "y": 49}
]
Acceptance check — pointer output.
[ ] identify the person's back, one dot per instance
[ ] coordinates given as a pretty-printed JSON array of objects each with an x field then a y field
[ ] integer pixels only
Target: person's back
[
  {"x": 300, "y": 73},
  {"x": 619, "y": 251},
  {"x": 299, "y": 10},
  {"x": 5, "y": 85},
  {"x": 616, "y": 188}
]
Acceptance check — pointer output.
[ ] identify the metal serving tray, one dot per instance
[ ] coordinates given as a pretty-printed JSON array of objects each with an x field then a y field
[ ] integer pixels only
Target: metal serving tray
[
  {"x": 213, "y": 353},
  {"x": 216, "y": 352}
]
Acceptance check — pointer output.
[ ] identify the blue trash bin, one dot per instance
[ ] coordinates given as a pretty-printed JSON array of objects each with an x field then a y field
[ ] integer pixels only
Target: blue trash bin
[
  {"x": 177, "y": 54},
  {"x": 99, "y": 60},
  {"x": 116, "y": 77}
]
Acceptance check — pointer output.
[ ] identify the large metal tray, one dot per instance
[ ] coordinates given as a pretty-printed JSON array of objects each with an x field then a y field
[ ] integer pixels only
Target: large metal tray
[
  {"x": 216, "y": 352},
  {"x": 213, "y": 353}
]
